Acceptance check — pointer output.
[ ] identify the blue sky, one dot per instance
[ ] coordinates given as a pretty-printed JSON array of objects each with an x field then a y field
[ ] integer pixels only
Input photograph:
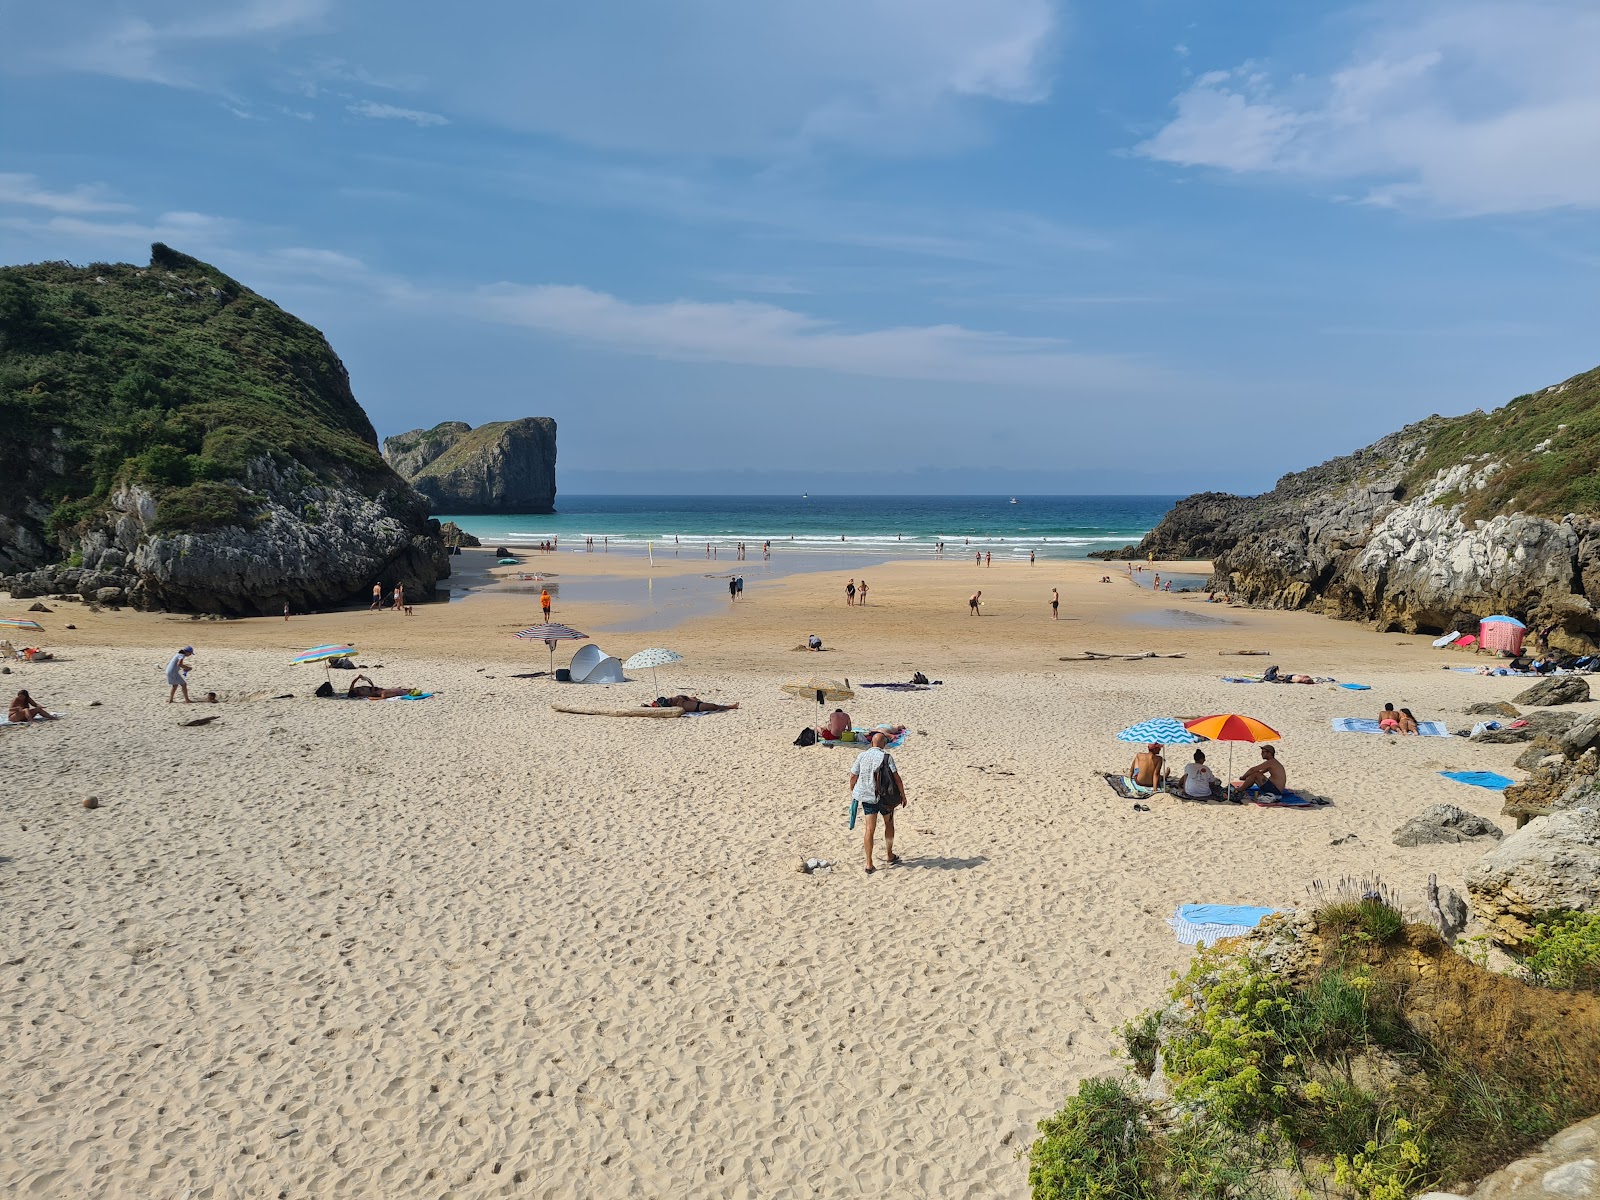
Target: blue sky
[{"x": 893, "y": 245}]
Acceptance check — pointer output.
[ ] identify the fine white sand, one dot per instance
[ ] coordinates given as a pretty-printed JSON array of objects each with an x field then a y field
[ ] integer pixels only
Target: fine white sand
[{"x": 471, "y": 947}]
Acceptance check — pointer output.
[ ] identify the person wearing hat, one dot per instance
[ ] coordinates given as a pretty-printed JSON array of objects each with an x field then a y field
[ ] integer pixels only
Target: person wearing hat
[
  {"x": 1149, "y": 768},
  {"x": 178, "y": 675}
]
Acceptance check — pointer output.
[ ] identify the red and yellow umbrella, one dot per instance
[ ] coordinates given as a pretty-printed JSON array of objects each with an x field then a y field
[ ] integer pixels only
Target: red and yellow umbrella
[{"x": 1232, "y": 727}]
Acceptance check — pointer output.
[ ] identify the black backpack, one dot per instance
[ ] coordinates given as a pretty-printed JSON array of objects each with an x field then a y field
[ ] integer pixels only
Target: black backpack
[
  {"x": 808, "y": 737},
  {"x": 885, "y": 784}
]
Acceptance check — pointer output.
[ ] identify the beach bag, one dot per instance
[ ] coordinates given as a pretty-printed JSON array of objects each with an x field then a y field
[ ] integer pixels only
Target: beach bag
[
  {"x": 324, "y": 689},
  {"x": 886, "y": 785},
  {"x": 808, "y": 737}
]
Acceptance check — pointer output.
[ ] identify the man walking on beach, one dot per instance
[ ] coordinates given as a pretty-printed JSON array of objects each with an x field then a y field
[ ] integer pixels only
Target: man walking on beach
[
  {"x": 1055, "y": 604},
  {"x": 876, "y": 784},
  {"x": 973, "y": 602},
  {"x": 377, "y": 596}
]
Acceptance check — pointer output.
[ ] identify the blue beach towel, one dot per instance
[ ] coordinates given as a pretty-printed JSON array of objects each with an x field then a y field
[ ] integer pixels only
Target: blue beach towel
[
  {"x": 414, "y": 696},
  {"x": 1242, "y": 679},
  {"x": 1195, "y": 923},
  {"x": 1370, "y": 725},
  {"x": 1356, "y": 687},
  {"x": 1484, "y": 779}
]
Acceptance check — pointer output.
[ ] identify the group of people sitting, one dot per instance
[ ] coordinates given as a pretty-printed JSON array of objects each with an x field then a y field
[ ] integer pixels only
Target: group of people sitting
[
  {"x": 1149, "y": 772},
  {"x": 1393, "y": 720},
  {"x": 839, "y": 723}
]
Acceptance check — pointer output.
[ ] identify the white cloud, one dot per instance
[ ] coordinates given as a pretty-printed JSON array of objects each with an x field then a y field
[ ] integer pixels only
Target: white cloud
[
  {"x": 1468, "y": 109},
  {"x": 390, "y": 112},
  {"x": 85, "y": 198},
  {"x": 767, "y": 335}
]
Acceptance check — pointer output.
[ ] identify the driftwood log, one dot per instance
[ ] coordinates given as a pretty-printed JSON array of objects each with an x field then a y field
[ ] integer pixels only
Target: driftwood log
[
  {"x": 581, "y": 711},
  {"x": 1225, "y": 653},
  {"x": 1097, "y": 656}
]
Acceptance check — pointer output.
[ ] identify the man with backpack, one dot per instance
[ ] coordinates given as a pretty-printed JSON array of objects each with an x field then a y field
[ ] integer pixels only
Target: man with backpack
[{"x": 876, "y": 785}]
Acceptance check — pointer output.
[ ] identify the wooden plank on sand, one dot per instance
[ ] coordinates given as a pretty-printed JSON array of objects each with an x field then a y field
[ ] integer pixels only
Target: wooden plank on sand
[{"x": 617, "y": 712}]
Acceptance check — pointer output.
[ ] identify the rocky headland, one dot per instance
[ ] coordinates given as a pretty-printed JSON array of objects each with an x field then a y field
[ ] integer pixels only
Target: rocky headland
[
  {"x": 1427, "y": 530},
  {"x": 501, "y": 467},
  {"x": 174, "y": 440}
]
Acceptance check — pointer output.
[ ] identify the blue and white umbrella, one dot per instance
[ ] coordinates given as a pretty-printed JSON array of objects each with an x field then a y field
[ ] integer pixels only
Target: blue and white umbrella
[
  {"x": 1502, "y": 620},
  {"x": 1167, "y": 731}
]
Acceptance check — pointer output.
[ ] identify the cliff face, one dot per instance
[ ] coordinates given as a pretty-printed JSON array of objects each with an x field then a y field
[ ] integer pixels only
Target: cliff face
[
  {"x": 505, "y": 466},
  {"x": 1428, "y": 529},
  {"x": 175, "y": 440}
]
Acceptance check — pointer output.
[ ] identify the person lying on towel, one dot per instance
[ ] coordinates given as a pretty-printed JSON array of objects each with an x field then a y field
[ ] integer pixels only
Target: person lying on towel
[
  {"x": 371, "y": 691},
  {"x": 1268, "y": 774},
  {"x": 1148, "y": 768},
  {"x": 689, "y": 704}
]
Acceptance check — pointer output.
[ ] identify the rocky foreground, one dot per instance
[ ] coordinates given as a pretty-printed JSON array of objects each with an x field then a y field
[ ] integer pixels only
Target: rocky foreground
[{"x": 1427, "y": 530}]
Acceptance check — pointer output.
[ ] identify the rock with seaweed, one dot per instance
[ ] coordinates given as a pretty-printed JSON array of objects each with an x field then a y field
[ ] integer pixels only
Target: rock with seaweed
[
  {"x": 1429, "y": 529},
  {"x": 174, "y": 440},
  {"x": 501, "y": 467}
]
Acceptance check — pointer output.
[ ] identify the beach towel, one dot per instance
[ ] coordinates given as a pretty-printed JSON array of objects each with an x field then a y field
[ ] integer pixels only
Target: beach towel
[
  {"x": 1484, "y": 779},
  {"x": 864, "y": 740},
  {"x": 1356, "y": 687},
  {"x": 1370, "y": 725},
  {"x": 414, "y": 696},
  {"x": 1494, "y": 671},
  {"x": 1285, "y": 800},
  {"x": 1127, "y": 788},
  {"x": 906, "y": 687},
  {"x": 30, "y": 724},
  {"x": 1195, "y": 923},
  {"x": 1242, "y": 679},
  {"x": 1441, "y": 643}
]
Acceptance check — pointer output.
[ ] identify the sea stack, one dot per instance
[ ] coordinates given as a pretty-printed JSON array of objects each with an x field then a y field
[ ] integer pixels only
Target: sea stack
[{"x": 501, "y": 467}]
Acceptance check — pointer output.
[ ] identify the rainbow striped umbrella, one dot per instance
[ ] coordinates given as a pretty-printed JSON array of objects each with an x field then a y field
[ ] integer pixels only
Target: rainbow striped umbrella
[
  {"x": 550, "y": 634},
  {"x": 323, "y": 654},
  {"x": 21, "y": 623}
]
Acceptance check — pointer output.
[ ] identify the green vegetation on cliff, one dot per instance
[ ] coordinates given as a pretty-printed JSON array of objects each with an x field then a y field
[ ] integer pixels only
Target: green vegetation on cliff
[
  {"x": 1548, "y": 442},
  {"x": 174, "y": 376}
]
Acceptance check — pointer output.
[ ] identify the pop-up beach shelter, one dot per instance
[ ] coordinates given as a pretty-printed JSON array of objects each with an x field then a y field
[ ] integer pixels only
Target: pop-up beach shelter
[{"x": 1502, "y": 633}]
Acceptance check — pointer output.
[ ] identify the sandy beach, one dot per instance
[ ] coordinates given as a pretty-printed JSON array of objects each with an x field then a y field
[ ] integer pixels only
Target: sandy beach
[{"x": 468, "y": 946}]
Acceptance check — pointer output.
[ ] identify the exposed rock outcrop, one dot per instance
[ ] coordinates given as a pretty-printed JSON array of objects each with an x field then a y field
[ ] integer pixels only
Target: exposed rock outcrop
[
  {"x": 1552, "y": 863},
  {"x": 1441, "y": 824},
  {"x": 206, "y": 445},
  {"x": 1556, "y": 689},
  {"x": 1567, "y": 1167},
  {"x": 1429, "y": 529},
  {"x": 503, "y": 467}
]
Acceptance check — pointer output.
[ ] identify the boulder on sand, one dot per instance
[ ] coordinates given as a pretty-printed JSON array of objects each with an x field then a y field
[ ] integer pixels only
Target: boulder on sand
[
  {"x": 1439, "y": 824},
  {"x": 1492, "y": 708},
  {"x": 1549, "y": 865},
  {"x": 1554, "y": 689}
]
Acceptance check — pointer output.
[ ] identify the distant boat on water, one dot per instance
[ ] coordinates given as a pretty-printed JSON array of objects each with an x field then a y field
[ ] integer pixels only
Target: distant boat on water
[
  {"x": 1013, "y": 499},
  {"x": 805, "y": 495}
]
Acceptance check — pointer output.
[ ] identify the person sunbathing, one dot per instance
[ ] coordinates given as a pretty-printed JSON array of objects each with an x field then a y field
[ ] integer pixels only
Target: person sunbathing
[
  {"x": 838, "y": 721},
  {"x": 1408, "y": 722},
  {"x": 1389, "y": 720},
  {"x": 1148, "y": 768},
  {"x": 371, "y": 691},
  {"x": 690, "y": 704},
  {"x": 24, "y": 710},
  {"x": 1268, "y": 774}
]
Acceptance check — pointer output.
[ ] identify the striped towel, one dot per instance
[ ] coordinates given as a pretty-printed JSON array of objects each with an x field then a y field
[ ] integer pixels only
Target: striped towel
[
  {"x": 1370, "y": 725},
  {"x": 1209, "y": 923}
]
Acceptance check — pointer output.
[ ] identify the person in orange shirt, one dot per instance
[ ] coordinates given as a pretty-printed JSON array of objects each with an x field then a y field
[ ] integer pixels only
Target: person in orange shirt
[{"x": 544, "y": 602}]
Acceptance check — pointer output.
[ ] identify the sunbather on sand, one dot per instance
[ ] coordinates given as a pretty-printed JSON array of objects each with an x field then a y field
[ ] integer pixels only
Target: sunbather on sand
[
  {"x": 1408, "y": 722},
  {"x": 24, "y": 710},
  {"x": 371, "y": 691},
  {"x": 838, "y": 721},
  {"x": 1148, "y": 768},
  {"x": 690, "y": 704},
  {"x": 1268, "y": 774},
  {"x": 1389, "y": 720}
]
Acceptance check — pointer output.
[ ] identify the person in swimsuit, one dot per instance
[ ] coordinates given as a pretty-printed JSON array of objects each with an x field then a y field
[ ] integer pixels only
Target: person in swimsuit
[
  {"x": 1268, "y": 774},
  {"x": 850, "y": 593},
  {"x": 1148, "y": 768},
  {"x": 1408, "y": 722},
  {"x": 371, "y": 691},
  {"x": 1389, "y": 720},
  {"x": 689, "y": 704},
  {"x": 974, "y": 601},
  {"x": 861, "y": 593},
  {"x": 377, "y": 596},
  {"x": 24, "y": 710},
  {"x": 1055, "y": 604}
]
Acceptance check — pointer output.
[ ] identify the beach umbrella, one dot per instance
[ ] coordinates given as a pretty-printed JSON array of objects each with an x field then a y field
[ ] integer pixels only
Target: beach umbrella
[
  {"x": 1168, "y": 731},
  {"x": 323, "y": 654},
  {"x": 823, "y": 690},
  {"x": 1230, "y": 728},
  {"x": 550, "y": 634},
  {"x": 21, "y": 623},
  {"x": 1502, "y": 633},
  {"x": 658, "y": 656}
]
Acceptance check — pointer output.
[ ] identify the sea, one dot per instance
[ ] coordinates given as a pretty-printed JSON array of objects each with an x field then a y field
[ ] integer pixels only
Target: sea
[{"x": 879, "y": 527}]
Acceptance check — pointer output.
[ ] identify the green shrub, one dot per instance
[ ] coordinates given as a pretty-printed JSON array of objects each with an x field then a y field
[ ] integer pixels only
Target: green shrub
[
  {"x": 1229, "y": 1057},
  {"x": 1142, "y": 1037},
  {"x": 1375, "y": 919},
  {"x": 1097, "y": 1147},
  {"x": 200, "y": 506},
  {"x": 1564, "y": 951},
  {"x": 164, "y": 465}
]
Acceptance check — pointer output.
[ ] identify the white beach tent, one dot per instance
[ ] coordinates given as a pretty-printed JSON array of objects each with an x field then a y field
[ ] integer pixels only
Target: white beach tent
[{"x": 593, "y": 665}]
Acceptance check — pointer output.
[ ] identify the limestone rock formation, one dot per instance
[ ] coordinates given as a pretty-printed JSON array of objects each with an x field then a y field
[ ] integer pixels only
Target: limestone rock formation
[
  {"x": 203, "y": 448},
  {"x": 1550, "y": 864},
  {"x": 502, "y": 467},
  {"x": 1567, "y": 1167},
  {"x": 1440, "y": 824},
  {"x": 1427, "y": 530},
  {"x": 1553, "y": 690}
]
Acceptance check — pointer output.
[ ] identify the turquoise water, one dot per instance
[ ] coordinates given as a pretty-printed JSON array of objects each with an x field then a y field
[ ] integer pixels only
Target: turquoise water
[{"x": 880, "y": 526}]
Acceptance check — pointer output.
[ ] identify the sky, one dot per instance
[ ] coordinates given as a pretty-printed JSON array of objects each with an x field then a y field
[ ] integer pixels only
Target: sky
[{"x": 854, "y": 245}]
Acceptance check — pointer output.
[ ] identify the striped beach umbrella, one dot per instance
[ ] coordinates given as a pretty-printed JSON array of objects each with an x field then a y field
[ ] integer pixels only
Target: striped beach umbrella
[
  {"x": 657, "y": 656},
  {"x": 20, "y": 623},
  {"x": 550, "y": 634},
  {"x": 323, "y": 654},
  {"x": 1230, "y": 728},
  {"x": 1167, "y": 731}
]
